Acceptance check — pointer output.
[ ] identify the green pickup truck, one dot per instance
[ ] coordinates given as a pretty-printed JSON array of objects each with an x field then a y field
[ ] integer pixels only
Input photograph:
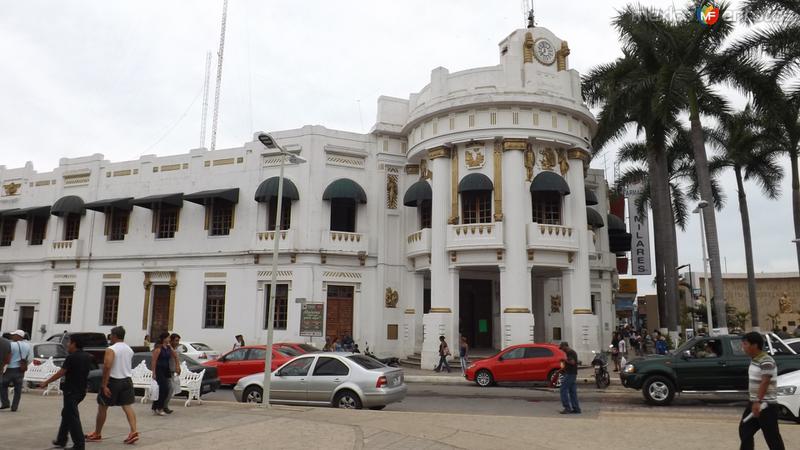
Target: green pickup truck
[{"x": 705, "y": 363}]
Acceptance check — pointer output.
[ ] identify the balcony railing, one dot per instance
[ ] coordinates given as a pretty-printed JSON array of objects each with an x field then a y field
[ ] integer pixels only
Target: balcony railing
[
  {"x": 551, "y": 237},
  {"x": 345, "y": 242},
  {"x": 65, "y": 249},
  {"x": 418, "y": 243},
  {"x": 265, "y": 240},
  {"x": 475, "y": 236}
]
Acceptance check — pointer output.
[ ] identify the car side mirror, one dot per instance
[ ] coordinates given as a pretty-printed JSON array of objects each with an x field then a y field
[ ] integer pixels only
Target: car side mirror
[{"x": 686, "y": 354}]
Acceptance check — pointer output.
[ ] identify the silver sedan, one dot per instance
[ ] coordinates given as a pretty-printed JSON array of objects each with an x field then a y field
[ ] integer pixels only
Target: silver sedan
[{"x": 342, "y": 380}]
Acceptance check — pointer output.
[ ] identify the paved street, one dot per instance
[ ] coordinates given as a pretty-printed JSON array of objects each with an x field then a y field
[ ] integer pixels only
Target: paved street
[{"x": 214, "y": 425}]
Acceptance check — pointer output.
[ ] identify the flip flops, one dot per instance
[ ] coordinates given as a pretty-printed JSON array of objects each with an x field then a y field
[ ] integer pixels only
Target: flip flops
[
  {"x": 93, "y": 437},
  {"x": 132, "y": 438}
]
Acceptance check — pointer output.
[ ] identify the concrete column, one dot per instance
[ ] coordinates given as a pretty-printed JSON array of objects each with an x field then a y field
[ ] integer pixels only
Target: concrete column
[
  {"x": 578, "y": 315},
  {"x": 444, "y": 282},
  {"x": 516, "y": 318}
]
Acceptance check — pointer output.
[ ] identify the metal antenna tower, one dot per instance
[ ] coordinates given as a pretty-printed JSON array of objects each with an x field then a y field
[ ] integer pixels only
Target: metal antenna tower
[
  {"x": 219, "y": 75},
  {"x": 204, "y": 116}
]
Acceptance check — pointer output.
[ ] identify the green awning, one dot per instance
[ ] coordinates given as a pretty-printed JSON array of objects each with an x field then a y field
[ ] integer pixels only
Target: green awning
[
  {"x": 417, "y": 193},
  {"x": 269, "y": 188},
  {"x": 591, "y": 198},
  {"x": 475, "y": 182},
  {"x": 70, "y": 204},
  {"x": 619, "y": 242},
  {"x": 160, "y": 201},
  {"x": 26, "y": 213},
  {"x": 346, "y": 189},
  {"x": 102, "y": 206},
  {"x": 207, "y": 197},
  {"x": 7, "y": 213},
  {"x": 593, "y": 218},
  {"x": 615, "y": 224},
  {"x": 549, "y": 182}
]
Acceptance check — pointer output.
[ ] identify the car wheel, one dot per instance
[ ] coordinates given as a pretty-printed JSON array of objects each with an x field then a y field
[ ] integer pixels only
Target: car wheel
[
  {"x": 378, "y": 408},
  {"x": 253, "y": 394},
  {"x": 555, "y": 378},
  {"x": 658, "y": 391},
  {"x": 484, "y": 378},
  {"x": 347, "y": 400}
]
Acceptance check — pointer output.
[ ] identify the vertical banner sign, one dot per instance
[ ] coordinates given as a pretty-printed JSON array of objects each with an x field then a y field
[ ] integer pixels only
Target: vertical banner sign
[{"x": 640, "y": 233}]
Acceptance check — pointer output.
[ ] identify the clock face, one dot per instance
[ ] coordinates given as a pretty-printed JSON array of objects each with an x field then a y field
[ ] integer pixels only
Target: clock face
[{"x": 544, "y": 51}]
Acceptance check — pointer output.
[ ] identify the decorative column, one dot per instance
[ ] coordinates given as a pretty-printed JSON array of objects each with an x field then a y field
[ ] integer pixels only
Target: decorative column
[
  {"x": 444, "y": 292},
  {"x": 581, "y": 324},
  {"x": 146, "y": 312},
  {"x": 516, "y": 319},
  {"x": 173, "y": 283}
]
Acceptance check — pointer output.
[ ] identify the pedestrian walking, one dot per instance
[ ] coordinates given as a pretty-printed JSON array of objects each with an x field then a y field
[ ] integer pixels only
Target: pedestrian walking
[
  {"x": 239, "y": 342},
  {"x": 337, "y": 346},
  {"x": 160, "y": 364},
  {"x": 174, "y": 369},
  {"x": 5, "y": 355},
  {"x": 444, "y": 352},
  {"x": 116, "y": 388},
  {"x": 661, "y": 345},
  {"x": 763, "y": 388},
  {"x": 75, "y": 371},
  {"x": 21, "y": 355},
  {"x": 327, "y": 347},
  {"x": 569, "y": 391},
  {"x": 463, "y": 350},
  {"x": 615, "y": 356}
]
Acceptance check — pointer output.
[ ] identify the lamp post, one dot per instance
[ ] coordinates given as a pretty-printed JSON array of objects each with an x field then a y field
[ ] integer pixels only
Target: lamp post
[
  {"x": 269, "y": 142},
  {"x": 699, "y": 211},
  {"x": 691, "y": 292}
]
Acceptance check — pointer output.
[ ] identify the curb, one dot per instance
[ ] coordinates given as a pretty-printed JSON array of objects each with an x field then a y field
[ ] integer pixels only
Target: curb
[{"x": 438, "y": 379}]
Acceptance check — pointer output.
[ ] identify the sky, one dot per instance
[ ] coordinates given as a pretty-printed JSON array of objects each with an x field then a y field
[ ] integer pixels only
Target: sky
[{"x": 125, "y": 79}]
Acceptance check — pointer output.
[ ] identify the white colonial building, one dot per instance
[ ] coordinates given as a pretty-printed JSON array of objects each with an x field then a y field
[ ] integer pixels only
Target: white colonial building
[{"x": 468, "y": 209}]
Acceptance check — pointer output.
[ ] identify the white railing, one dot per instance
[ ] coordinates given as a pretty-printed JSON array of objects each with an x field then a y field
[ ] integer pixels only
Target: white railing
[
  {"x": 65, "y": 249},
  {"x": 418, "y": 243},
  {"x": 551, "y": 237},
  {"x": 475, "y": 236},
  {"x": 265, "y": 240},
  {"x": 345, "y": 242}
]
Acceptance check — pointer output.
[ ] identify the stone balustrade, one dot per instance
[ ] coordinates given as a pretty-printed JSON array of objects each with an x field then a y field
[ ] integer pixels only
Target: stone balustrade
[
  {"x": 65, "y": 249},
  {"x": 475, "y": 236},
  {"x": 345, "y": 242},
  {"x": 551, "y": 237},
  {"x": 265, "y": 240},
  {"x": 418, "y": 243}
]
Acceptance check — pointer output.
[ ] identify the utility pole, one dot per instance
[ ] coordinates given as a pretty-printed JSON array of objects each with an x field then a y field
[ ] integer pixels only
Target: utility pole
[
  {"x": 219, "y": 75},
  {"x": 204, "y": 116}
]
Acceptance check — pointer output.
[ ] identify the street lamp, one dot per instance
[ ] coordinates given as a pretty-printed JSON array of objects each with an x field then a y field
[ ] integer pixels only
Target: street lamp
[
  {"x": 269, "y": 142},
  {"x": 691, "y": 290},
  {"x": 699, "y": 210}
]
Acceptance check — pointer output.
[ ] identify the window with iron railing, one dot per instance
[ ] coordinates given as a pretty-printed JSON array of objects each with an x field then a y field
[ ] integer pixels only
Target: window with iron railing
[
  {"x": 425, "y": 214},
  {"x": 281, "y": 306},
  {"x": 117, "y": 221},
  {"x": 476, "y": 207},
  {"x": 166, "y": 223},
  {"x": 37, "y": 230},
  {"x": 72, "y": 227},
  {"x": 286, "y": 213},
  {"x": 110, "y": 305},
  {"x": 547, "y": 208},
  {"x": 8, "y": 226},
  {"x": 64, "y": 313},
  {"x": 215, "y": 306},
  {"x": 221, "y": 219}
]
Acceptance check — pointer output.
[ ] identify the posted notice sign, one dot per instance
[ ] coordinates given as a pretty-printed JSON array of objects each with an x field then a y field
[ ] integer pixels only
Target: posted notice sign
[{"x": 311, "y": 318}]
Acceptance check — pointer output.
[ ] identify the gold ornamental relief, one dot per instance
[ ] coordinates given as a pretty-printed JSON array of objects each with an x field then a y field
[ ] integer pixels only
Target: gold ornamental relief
[
  {"x": 563, "y": 163},
  {"x": 785, "y": 304},
  {"x": 12, "y": 188},
  {"x": 474, "y": 158},
  {"x": 527, "y": 48},
  {"x": 561, "y": 56},
  {"x": 530, "y": 161},
  {"x": 391, "y": 191},
  {"x": 548, "y": 160},
  {"x": 391, "y": 298},
  {"x": 424, "y": 172}
]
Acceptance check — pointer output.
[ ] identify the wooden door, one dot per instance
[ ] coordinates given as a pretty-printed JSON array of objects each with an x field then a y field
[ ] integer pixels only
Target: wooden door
[
  {"x": 160, "y": 321},
  {"x": 339, "y": 315}
]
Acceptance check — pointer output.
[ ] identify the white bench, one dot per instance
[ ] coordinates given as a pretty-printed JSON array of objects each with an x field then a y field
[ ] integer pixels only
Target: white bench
[
  {"x": 38, "y": 374},
  {"x": 191, "y": 382}
]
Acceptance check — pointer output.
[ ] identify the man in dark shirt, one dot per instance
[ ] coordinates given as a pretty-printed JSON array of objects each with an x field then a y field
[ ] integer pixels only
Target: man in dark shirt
[
  {"x": 75, "y": 371},
  {"x": 569, "y": 392}
]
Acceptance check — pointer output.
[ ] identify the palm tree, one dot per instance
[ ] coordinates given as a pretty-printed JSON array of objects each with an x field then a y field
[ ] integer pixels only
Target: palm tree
[
  {"x": 778, "y": 39},
  {"x": 631, "y": 94},
  {"x": 749, "y": 149}
]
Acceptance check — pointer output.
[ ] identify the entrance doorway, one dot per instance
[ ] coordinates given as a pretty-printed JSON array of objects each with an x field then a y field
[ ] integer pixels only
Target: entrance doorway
[
  {"x": 339, "y": 315},
  {"x": 26, "y": 319},
  {"x": 160, "y": 322},
  {"x": 475, "y": 312}
]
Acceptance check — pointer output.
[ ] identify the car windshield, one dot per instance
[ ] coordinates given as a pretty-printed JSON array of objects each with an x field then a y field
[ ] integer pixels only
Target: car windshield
[
  {"x": 50, "y": 350},
  {"x": 688, "y": 345},
  {"x": 308, "y": 348},
  {"x": 288, "y": 351},
  {"x": 199, "y": 346},
  {"x": 366, "y": 362},
  {"x": 187, "y": 359}
]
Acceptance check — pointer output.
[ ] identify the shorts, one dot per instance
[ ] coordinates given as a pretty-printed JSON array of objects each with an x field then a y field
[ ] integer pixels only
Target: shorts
[{"x": 122, "y": 393}]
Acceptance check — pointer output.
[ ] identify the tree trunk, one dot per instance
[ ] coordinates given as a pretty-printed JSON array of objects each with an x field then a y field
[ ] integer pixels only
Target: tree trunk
[
  {"x": 796, "y": 202},
  {"x": 709, "y": 213},
  {"x": 748, "y": 250},
  {"x": 660, "y": 197},
  {"x": 676, "y": 308}
]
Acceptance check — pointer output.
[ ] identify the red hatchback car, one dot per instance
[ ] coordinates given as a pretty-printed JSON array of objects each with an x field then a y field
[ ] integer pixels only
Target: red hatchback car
[
  {"x": 525, "y": 362},
  {"x": 246, "y": 361}
]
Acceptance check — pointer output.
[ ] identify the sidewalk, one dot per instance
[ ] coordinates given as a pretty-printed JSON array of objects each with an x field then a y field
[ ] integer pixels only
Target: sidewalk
[
  {"x": 585, "y": 376},
  {"x": 222, "y": 425}
]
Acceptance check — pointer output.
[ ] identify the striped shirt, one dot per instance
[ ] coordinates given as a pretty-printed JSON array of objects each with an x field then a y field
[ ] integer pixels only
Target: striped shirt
[{"x": 760, "y": 366}]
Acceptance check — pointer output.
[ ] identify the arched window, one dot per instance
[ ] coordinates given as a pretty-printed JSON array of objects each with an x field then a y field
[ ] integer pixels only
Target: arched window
[
  {"x": 476, "y": 198},
  {"x": 70, "y": 208},
  {"x": 344, "y": 195},
  {"x": 547, "y": 198},
  {"x": 425, "y": 214},
  {"x": 267, "y": 192},
  {"x": 419, "y": 196}
]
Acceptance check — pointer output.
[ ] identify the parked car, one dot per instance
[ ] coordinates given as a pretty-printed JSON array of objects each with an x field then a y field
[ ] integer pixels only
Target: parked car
[
  {"x": 210, "y": 381},
  {"x": 245, "y": 361},
  {"x": 338, "y": 379},
  {"x": 94, "y": 343},
  {"x": 517, "y": 363},
  {"x": 197, "y": 350},
  {"x": 301, "y": 347},
  {"x": 45, "y": 350},
  {"x": 789, "y": 395},
  {"x": 794, "y": 344},
  {"x": 705, "y": 363}
]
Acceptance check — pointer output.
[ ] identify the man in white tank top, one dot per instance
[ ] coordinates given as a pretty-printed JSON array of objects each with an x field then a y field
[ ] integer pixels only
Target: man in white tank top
[{"x": 116, "y": 388}]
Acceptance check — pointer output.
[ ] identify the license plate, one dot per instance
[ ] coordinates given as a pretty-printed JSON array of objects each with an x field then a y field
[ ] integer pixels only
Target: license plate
[{"x": 396, "y": 381}]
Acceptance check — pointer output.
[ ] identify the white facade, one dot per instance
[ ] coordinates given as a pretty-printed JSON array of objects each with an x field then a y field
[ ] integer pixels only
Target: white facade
[{"x": 492, "y": 274}]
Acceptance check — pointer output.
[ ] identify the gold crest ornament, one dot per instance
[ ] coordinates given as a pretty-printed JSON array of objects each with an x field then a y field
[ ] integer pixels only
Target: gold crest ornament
[
  {"x": 563, "y": 162},
  {"x": 391, "y": 298},
  {"x": 391, "y": 191},
  {"x": 12, "y": 188},
  {"x": 474, "y": 158},
  {"x": 527, "y": 48},
  {"x": 548, "y": 161}
]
